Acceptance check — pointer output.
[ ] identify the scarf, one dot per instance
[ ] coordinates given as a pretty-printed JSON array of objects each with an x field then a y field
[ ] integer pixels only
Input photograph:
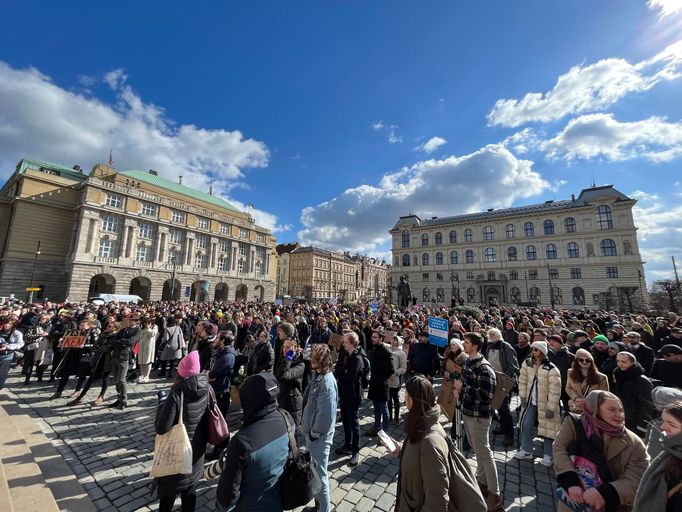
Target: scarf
[
  {"x": 652, "y": 493},
  {"x": 592, "y": 423}
]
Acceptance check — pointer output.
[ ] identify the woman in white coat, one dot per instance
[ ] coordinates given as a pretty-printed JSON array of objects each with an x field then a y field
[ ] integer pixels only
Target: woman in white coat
[
  {"x": 146, "y": 348},
  {"x": 395, "y": 381}
]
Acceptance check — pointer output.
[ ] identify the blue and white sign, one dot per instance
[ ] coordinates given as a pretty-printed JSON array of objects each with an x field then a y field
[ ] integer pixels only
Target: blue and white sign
[
  {"x": 374, "y": 307},
  {"x": 278, "y": 302},
  {"x": 187, "y": 291},
  {"x": 438, "y": 331}
]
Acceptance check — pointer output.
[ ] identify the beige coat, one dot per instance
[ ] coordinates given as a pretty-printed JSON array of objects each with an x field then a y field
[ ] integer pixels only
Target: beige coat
[
  {"x": 576, "y": 389},
  {"x": 626, "y": 457},
  {"x": 549, "y": 394}
]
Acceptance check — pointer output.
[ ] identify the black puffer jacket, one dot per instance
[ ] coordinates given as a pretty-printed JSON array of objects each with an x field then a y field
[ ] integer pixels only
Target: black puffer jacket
[
  {"x": 261, "y": 359},
  {"x": 634, "y": 390},
  {"x": 382, "y": 367},
  {"x": 348, "y": 373},
  {"x": 290, "y": 378},
  {"x": 195, "y": 403}
]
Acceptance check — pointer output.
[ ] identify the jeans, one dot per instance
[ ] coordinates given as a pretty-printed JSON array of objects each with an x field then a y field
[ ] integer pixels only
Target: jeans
[
  {"x": 528, "y": 432},
  {"x": 478, "y": 435},
  {"x": 5, "y": 365},
  {"x": 380, "y": 414},
  {"x": 351, "y": 426},
  {"x": 506, "y": 421},
  {"x": 319, "y": 450},
  {"x": 394, "y": 403},
  {"x": 119, "y": 370}
]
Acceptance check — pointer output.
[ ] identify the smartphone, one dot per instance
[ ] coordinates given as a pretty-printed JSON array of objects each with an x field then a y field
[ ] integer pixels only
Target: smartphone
[{"x": 386, "y": 441}]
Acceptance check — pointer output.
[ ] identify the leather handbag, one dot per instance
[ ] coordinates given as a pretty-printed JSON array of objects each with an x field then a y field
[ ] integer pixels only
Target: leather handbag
[
  {"x": 217, "y": 426},
  {"x": 300, "y": 482}
]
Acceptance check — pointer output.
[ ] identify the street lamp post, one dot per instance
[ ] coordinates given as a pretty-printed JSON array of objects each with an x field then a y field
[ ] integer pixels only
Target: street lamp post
[
  {"x": 551, "y": 291},
  {"x": 33, "y": 274},
  {"x": 172, "y": 290}
]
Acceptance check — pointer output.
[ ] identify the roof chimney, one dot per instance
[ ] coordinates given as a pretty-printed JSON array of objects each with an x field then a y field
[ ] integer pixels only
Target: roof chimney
[
  {"x": 153, "y": 172},
  {"x": 180, "y": 179},
  {"x": 573, "y": 197},
  {"x": 210, "y": 190},
  {"x": 77, "y": 168}
]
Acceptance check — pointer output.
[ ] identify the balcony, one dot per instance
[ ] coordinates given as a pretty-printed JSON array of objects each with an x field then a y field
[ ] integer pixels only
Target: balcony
[
  {"x": 102, "y": 259},
  {"x": 138, "y": 263}
]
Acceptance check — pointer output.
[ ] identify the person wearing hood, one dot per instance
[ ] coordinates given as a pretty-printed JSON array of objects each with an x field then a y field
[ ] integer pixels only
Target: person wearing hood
[
  {"x": 610, "y": 363},
  {"x": 661, "y": 485},
  {"x": 289, "y": 372},
  {"x": 204, "y": 337},
  {"x": 187, "y": 396},
  {"x": 634, "y": 390},
  {"x": 662, "y": 397}
]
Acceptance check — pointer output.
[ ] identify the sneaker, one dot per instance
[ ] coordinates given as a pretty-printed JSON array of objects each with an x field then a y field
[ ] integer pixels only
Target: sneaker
[
  {"x": 354, "y": 459},
  {"x": 547, "y": 461},
  {"x": 523, "y": 455},
  {"x": 343, "y": 450}
]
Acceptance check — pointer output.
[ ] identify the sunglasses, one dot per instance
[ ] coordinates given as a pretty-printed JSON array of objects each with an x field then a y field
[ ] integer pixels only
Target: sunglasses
[{"x": 584, "y": 360}]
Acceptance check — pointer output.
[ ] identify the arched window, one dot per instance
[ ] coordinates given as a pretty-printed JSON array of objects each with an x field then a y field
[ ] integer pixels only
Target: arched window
[
  {"x": 557, "y": 295},
  {"x": 467, "y": 235},
  {"x": 531, "y": 253},
  {"x": 425, "y": 259},
  {"x": 440, "y": 295},
  {"x": 569, "y": 225},
  {"x": 439, "y": 238},
  {"x": 528, "y": 229},
  {"x": 469, "y": 256},
  {"x": 406, "y": 260},
  {"x": 490, "y": 255},
  {"x": 488, "y": 233},
  {"x": 453, "y": 236},
  {"x": 406, "y": 238},
  {"x": 425, "y": 239},
  {"x": 608, "y": 247},
  {"x": 511, "y": 253},
  {"x": 453, "y": 258},
  {"x": 439, "y": 258},
  {"x": 548, "y": 226},
  {"x": 604, "y": 217},
  {"x": 510, "y": 231},
  {"x": 471, "y": 295},
  {"x": 578, "y": 296},
  {"x": 534, "y": 295},
  {"x": 551, "y": 252},
  {"x": 426, "y": 294},
  {"x": 573, "y": 251},
  {"x": 515, "y": 295}
]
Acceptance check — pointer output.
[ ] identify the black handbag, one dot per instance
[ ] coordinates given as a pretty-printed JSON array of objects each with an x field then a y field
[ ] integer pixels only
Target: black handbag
[{"x": 300, "y": 482}]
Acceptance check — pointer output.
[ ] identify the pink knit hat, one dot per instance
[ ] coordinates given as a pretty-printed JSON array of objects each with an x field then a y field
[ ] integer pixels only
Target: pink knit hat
[{"x": 189, "y": 365}]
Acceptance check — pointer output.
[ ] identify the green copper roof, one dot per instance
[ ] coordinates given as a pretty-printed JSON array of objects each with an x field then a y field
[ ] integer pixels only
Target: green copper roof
[
  {"x": 66, "y": 172},
  {"x": 180, "y": 189}
]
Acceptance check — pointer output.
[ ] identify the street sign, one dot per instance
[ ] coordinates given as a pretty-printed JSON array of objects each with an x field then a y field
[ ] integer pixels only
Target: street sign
[
  {"x": 32, "y": 289},
  {"x": 438, "y": 331}
]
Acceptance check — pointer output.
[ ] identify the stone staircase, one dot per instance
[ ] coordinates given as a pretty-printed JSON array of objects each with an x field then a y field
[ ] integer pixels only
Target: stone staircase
[{"x": 33, "y": 475}]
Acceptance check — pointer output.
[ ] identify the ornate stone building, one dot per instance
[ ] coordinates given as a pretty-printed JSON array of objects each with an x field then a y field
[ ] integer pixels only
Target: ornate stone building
[
  {"x": 372, "y": 276},
  {"x": 571, "y": 253},
  {"x": 283, "y": 265},
  {"x": 127, "y": 232},
  {"x": 318, "y": 274}
]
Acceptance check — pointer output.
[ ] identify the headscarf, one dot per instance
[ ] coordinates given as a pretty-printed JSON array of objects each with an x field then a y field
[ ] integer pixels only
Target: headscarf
[
  {"x": 592, "y": 423},
  {"x": 652, "y": 493}
]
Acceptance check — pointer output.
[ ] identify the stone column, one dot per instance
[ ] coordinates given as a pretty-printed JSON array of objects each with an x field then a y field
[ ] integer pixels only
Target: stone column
[
  {"x": 124, "y": 242},
  {"x": 252, "y": 261},
  {"x": 214, "y": 252},
  {"x": 235, "y": 248},
  {"x": 162, "y": 244},
  {"x": 93, "y": 235}
]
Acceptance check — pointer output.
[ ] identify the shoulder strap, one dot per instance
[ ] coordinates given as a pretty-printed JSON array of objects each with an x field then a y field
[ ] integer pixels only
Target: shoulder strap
[
  {"x": 578, "y": 426},
  {"x": 292, "y": 439},
  {"x": 180, "y": 411}
]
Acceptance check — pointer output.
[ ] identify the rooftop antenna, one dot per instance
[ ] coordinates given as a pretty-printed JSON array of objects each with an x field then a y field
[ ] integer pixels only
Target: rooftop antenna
[
  {"x": 594, "y": 184},
  {"x": 210, "y": 190}
]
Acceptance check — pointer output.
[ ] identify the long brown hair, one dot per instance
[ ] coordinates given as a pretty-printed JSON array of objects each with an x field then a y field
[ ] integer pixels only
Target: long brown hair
[
  {"x": 592, "y": 379},
  {"x": 423, "y": 401}
]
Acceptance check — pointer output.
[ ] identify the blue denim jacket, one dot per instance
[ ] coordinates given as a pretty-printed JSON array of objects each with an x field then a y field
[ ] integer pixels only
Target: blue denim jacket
[{"x": 319, "y": 406}]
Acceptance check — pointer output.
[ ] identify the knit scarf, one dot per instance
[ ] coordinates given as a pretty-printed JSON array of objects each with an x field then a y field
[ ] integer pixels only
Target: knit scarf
[
  {"x": 652, "y": 493},
  {"x": 592, "y": 423}
]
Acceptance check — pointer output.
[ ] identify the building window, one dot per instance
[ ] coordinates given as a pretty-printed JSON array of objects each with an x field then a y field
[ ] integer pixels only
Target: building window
[
  {"x": 425, "y": 240},
  {"x": 471, "y": 295},
  {"x": 453, "y": 258},
  {"x": 175, "y": 236},
  {"x": 142, "y": 253},
  {"x": 554, "y": 273},
  {"x": 491, "y": 275},
  {"x": 548, "y": 226},
  {"x": 146, "y": 230},
  {"x": 244, "y": 233},
  {"x": 578, "y": 296},
  {"x": 406, "y": 238},
  {"x": 223, "y": 264},
  {"x": 439, "y": 276},
  {"x": 199, "y": 261},
  {"x": 534, "y": 295},
  {"x": 240, "y": 266},
  {"x": 468, "y": 235},
  {"x": 490, "y": 255},
  {"x": 612, "y": 272},
  {"x": 425, "y": 276},
  {"x": 604, "y": 217},
  {"x": 551, "y": 252},
  {"x": 242, "y": 249},
  {"x": 557, "y": 295},
  {"x": 202, "y": 223},
  {"x": 425, "y": 258},
  {"x": 149, "y": 209},
  {"x": 511, "y": 253},
  {"x": 224, "y": 246},
  {"x": 106, "y": 248},
  {"x": 406, "y": 260},
  {"x": 515, "y": 295},
  {"x": 114, "y": 201},
  {"x": 531, "y": 253},
  {"x": 608, "y": 247},
  {"x": 109, "y": 224},
  {"x": 510, "y": 231},
  {"x": 260, "y": 238},
  {"x": 426, "y": 294},
  {"x": 469, "y": 256},
  {"x": 488, "y": 233},
  {"x": 439, "y": 238},
  {"x": 569, "y": 225},
  {"x": 532, "y": 275},
  {"x": 573, "y": 251},
  {"x": 178, "y": 217},
  {"x": 453, "y": 236},
  {"x": 528, "y": 229},
  {"x": 225, "y": 229},
  {"x": 470, "y": 276},
  {"x": 201, "y": 242},
  {"x": 576, "y": 273},
  {"x": 513, "y": 275},
  {"x": 439, "y": 258}
]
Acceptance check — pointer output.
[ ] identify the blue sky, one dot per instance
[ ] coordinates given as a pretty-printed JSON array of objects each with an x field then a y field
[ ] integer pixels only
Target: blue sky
[{"x": 334, "y": 118}]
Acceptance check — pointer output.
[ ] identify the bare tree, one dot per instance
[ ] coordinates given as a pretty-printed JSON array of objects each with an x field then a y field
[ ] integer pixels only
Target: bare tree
[{"x": 667, "y": 291}]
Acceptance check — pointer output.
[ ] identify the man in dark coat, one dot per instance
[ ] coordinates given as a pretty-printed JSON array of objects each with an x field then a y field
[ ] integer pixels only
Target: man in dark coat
[
  {"x": 644, "y": 355},
  {"x": 382, "y": 367},
  {"x": 668, "y": 370},
  {"x": 262, "y": 358},
  {"x": 562, "y": 359},
  {"x": 423, "y": 357},
  {"x": 348, "y": 373},
  {"x": 204, "y": 337}
]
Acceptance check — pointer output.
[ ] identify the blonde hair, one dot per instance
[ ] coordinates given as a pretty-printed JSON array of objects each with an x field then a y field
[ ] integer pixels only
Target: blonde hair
[{"x": 320, "y": 353}]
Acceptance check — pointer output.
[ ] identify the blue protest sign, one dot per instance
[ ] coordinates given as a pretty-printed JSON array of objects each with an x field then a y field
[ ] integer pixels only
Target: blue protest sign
[
  {"x": 374, "y": 307},
  {"x": 438, "y": 331}
]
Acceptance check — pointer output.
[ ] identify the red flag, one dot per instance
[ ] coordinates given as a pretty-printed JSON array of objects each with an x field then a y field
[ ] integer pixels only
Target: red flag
[{"x": 111, "y": 162}]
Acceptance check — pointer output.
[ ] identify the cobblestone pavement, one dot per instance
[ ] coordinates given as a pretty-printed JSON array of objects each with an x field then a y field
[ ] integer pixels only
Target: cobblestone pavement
[{"x": 110, "y": 452}]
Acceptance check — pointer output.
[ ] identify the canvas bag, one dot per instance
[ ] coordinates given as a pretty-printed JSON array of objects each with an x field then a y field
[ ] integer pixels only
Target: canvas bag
[
  {"x": 172, "y": 450},
  {"x": 503, "y": 387}
]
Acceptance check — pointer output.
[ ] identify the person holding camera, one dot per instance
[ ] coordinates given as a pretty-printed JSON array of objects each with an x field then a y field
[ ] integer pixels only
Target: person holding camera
[{"x": 121, "y": 346}]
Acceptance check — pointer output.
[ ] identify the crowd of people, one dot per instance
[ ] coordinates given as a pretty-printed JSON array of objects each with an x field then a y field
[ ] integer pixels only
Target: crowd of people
[{"x": 592, "y": 385}]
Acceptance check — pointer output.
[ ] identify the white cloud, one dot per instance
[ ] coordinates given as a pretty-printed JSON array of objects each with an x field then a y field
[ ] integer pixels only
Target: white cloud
[
  {"x": 431, "y": 145},
  {"x": 589, "y": 88},
  {"x": 42, "y": 120},
  {"x": 665, "y": 7},
  {"x": 392, "y": 136},
  {"x": 601, "y": 136},
  {"x": 359, "y": 218},
  {"x": 378, "y": 125}
]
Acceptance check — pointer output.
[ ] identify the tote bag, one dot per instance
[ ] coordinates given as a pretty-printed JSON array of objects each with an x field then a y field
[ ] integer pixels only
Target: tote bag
[{"x": 172, "y": 450}]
